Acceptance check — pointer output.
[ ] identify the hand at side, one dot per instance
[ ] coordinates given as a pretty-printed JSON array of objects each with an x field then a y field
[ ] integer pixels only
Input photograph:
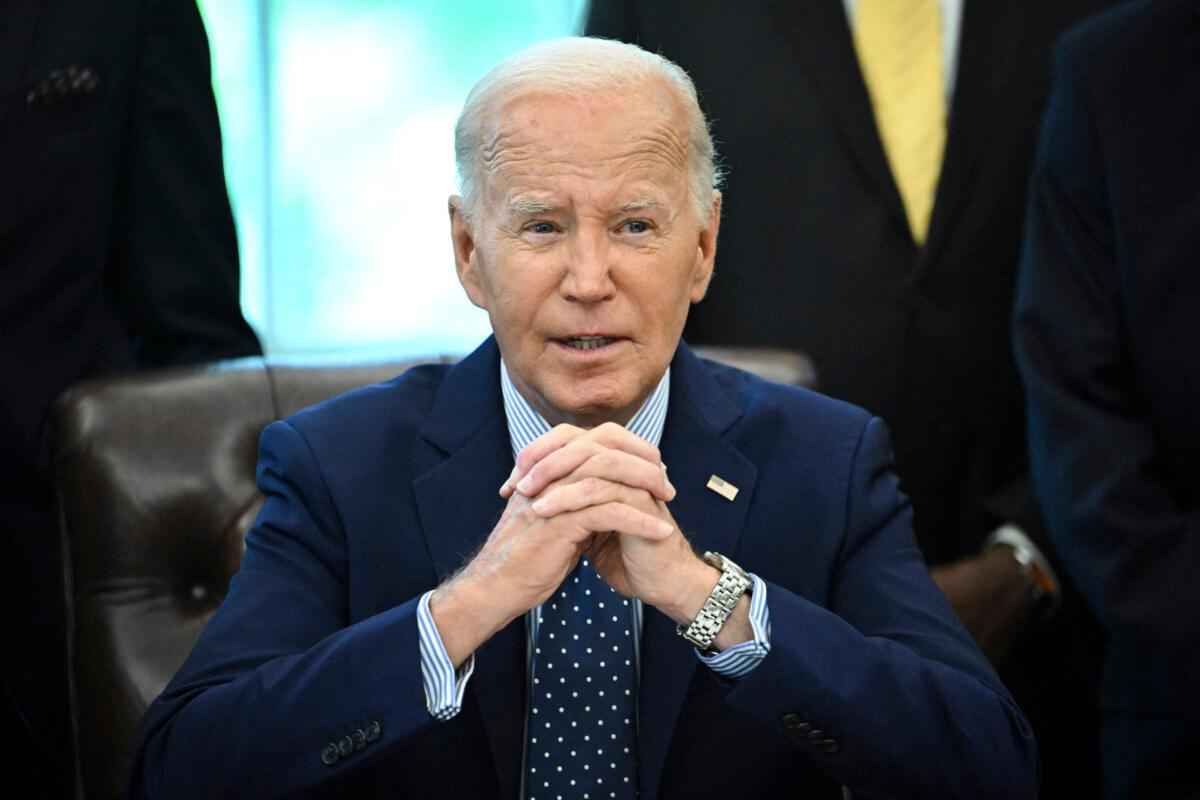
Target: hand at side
[{"x": 991, "y": 596}]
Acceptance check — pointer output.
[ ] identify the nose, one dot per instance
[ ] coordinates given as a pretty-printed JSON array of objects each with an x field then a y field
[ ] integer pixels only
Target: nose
[{"x": 588, "y": 277}]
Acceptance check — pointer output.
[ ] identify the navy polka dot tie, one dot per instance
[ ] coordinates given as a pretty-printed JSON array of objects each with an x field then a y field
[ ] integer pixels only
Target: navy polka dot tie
[{"x": 582, "y": 724}]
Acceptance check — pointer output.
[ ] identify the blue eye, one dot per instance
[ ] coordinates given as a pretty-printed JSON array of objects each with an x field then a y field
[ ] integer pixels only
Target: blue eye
[
  {"x": 637, "y": 226},
  {"x": 541, "y": 228}
]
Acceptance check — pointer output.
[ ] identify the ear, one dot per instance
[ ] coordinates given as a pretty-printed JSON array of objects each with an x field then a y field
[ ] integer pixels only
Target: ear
[
  {"x": 465, "y": 255},
  {"x": 706, "y": 252}
]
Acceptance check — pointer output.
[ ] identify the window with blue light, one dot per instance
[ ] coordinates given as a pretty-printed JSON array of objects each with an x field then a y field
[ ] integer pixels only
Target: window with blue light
[{"x": 338, "y": 118}]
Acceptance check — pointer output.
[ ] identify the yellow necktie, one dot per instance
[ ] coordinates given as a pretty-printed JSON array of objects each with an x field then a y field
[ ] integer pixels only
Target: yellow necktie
[{"x": 899, "y": 44}]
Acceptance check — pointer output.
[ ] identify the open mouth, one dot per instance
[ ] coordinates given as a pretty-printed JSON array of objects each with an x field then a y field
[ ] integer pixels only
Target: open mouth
[{"x": 588, "y": 342}]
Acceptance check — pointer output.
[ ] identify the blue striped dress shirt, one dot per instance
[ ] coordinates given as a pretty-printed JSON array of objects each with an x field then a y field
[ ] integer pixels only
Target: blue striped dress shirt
[{"x": 444, "y": 686}]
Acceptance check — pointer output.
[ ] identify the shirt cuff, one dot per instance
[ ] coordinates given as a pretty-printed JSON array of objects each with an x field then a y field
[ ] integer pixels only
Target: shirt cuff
[
  {"x": 739, "y": 660},
  {"x": 444, "y": 687}
]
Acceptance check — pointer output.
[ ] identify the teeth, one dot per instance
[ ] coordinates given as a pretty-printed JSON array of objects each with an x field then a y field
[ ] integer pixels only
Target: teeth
[{"x": 589, "y": 342}]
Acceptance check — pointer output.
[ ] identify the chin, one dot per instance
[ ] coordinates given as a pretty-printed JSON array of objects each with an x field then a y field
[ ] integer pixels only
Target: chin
[{"x": 590, "y": 410}]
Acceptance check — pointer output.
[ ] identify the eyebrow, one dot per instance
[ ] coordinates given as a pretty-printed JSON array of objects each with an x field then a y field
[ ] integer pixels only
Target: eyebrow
[
  {"x": 522, "y": 207},
  {"x": 638, "y": 205}
]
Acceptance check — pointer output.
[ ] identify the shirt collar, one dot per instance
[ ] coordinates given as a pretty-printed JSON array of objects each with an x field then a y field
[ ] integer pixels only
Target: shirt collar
[{"x": 525, "y": 424}]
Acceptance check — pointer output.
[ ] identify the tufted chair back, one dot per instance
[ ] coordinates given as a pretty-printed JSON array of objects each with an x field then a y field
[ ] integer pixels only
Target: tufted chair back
[{"x": 154, "y": 476}]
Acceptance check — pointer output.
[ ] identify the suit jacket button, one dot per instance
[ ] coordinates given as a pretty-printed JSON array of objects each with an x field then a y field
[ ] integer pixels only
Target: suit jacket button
[
  {"x": 791, "y": 721},
  {"x": 816, "y": 735},
  {"x": 345, "y": 746},
  {"x": 804, "y": 727},
  {"x": 329, "y": 755},
  {"x": 829, "y": 746},
  {"x": 372, "y": 731},
  {"x": 360, "y": 739}
]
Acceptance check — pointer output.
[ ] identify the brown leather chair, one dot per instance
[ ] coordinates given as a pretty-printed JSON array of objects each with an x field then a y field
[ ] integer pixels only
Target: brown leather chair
[{"x": 154, "y": 476}]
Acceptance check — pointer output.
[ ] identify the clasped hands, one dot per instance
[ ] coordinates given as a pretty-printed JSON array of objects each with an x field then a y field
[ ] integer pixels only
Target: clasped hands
[{"x": 574, "y": 492}]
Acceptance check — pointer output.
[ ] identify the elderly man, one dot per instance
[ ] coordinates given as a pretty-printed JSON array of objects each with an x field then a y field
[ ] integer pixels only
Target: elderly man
[{"x": 379, "y": 640}]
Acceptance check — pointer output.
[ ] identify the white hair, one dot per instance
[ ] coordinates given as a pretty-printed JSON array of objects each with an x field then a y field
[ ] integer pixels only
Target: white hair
[{"x": 576, "y": 66}]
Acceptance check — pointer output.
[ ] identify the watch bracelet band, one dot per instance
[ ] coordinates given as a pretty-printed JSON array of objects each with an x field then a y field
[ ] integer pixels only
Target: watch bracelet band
[
  {"x": 733, "y": 583},
  {"x": 1043, "y": 582}
]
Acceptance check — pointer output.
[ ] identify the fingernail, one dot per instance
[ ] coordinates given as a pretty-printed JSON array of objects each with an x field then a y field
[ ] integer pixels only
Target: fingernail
[
  {"x": 540, "y": 505},
  {"x": 671, "y": 489},
  {"x": 512, "y": 476},
  {"x": 523, "y": 486},
  {"x": 665, "y": 528}
]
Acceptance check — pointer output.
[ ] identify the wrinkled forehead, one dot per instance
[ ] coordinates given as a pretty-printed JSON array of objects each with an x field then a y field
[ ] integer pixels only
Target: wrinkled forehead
[{"x": 637, "y": 132}]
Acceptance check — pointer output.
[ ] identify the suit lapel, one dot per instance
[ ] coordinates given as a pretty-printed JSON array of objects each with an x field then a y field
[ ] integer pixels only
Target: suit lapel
[
  {"x": 821, "y": 40},
  {"x": 17, "y": 24},
  {"x": 693, "y": 449},
  {"x": 992, "y": 38},
  {"x": 458, "y": 505}
]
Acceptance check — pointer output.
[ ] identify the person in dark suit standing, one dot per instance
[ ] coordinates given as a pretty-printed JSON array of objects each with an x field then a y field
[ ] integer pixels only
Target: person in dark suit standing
[
  {"x": 117, "y": 251},
  {"x": 1108, "y": 339},
  {"x": 875, "y": 225}
]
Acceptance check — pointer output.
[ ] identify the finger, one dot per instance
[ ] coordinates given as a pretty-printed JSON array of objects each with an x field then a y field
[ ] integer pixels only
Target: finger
[
  {"x": 509, "y": 486},
  {"x": 609, "y": 434},
  {"x": 618, "y": 437},
  {"x": 621, "y": 518},
  {"x": 556, "y": 437},
  {"x": 583, "y": 459},
  {"x": 556, "y": 465},
  {"x": 575, "y": 495}
]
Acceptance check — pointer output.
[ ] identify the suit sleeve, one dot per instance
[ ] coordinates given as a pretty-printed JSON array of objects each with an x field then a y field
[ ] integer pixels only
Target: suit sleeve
[
  {"x": 1129, "y": 536},
  {"x": 885, "y": 682},
  {"x": 279, "y": 672},
  {"x": 173, "y": 269}
]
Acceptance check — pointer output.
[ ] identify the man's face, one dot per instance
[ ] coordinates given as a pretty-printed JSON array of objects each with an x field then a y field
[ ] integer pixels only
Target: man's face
[{"x": 587, "y": 253}]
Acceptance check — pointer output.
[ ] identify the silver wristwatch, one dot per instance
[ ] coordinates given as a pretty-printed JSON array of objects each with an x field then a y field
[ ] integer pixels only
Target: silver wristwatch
[{"x": 733, "y": 583}]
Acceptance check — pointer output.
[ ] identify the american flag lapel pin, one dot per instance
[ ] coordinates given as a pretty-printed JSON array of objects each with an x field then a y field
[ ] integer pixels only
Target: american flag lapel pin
[{"x": 723, "y": 487}]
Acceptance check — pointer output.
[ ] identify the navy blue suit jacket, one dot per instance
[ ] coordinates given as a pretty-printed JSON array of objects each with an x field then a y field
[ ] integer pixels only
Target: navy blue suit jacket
[
  {"x": 374, "y": 497},
  {"x": 1108, "y": 334}
]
